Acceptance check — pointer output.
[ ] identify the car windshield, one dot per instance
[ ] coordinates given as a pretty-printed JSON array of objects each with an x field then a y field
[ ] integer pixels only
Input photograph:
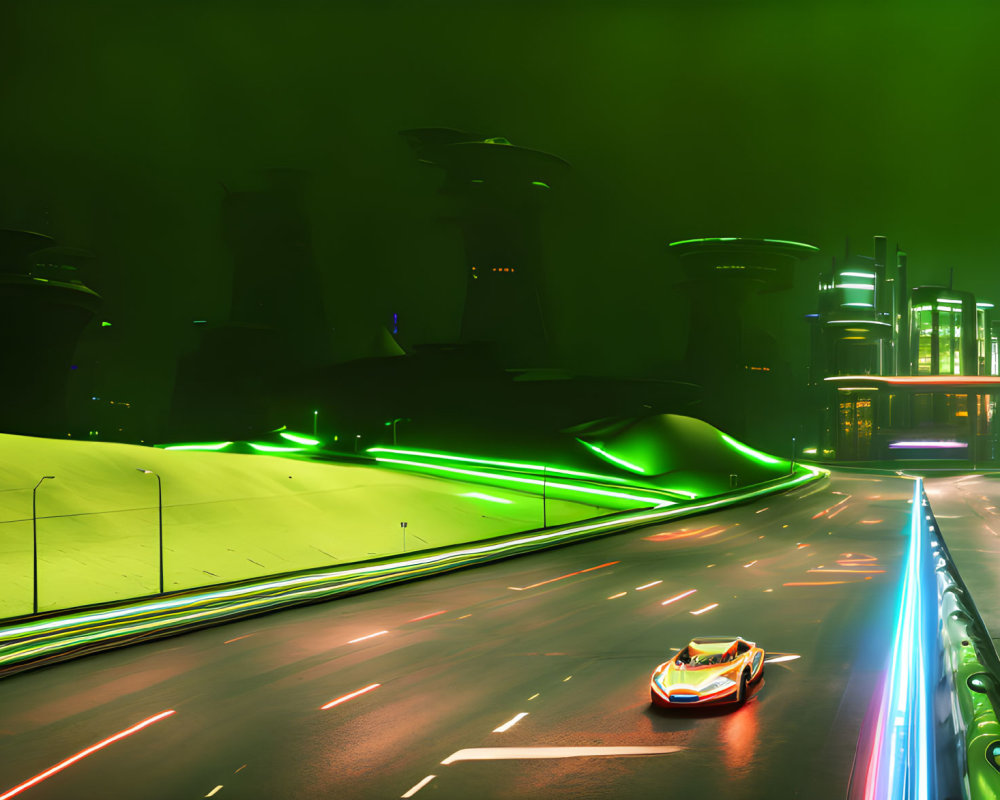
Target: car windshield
[
  {"x": 707, "y": 659},
  {"x": 702, "y": 659}
]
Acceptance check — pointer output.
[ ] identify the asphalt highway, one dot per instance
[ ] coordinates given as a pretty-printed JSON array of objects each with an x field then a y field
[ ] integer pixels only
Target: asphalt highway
[
  {"x": 529, "y": 677},
  {"x": 967, "y": 508}
]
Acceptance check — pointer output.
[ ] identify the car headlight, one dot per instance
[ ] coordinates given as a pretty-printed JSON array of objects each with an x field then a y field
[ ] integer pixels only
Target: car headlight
[{"x": 716, "y": 685}]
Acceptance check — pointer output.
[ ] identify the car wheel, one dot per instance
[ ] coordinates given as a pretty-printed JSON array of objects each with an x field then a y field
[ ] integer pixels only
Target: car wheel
[{"x": 741, "y": 696}]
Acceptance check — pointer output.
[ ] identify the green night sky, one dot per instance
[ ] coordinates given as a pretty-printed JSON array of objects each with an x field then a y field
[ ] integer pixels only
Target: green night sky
[{"x": 804, "y": 121}]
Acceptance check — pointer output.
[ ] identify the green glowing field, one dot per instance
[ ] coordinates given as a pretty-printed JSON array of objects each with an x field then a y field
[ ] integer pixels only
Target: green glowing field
[
  {"x": 226, "y": 517},
  {"x": 232, "y": 516}
]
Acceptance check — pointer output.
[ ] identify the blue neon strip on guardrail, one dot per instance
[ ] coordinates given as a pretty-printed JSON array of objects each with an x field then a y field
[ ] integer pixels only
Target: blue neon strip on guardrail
[
  {"x": 901, "y": 765},
  {"x": 936, "y": 714}
]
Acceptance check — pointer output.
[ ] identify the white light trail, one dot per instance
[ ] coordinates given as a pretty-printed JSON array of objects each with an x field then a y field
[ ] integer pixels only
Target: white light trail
[
  {"x": 417, "y": 787},
  {"x": 509, "y": 753},
  {"x": 779, "y": 659},
  {"x": 680, "y": 596},
  {"x": 369, "y": 636},
  {"x": 350, "y": 696},
  {"x": 509, "y": 723}
]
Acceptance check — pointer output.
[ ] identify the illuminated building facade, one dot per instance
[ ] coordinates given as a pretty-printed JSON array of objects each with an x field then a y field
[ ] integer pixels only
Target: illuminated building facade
[
  {"x": 902, "y": 374},
  {"x": 497, "y": 191},
  {"x": 726, "y": 354},
  {"x": 44, "y": 309},
  {"x": 853, "y": 331}
]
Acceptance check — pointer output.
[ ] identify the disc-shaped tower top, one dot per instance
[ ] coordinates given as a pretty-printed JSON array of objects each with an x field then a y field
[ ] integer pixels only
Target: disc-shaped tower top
[
  {"x": 16, "y": 246},
  {"x": 766, "y": 263},
  {"x": 468, "y": 157}
]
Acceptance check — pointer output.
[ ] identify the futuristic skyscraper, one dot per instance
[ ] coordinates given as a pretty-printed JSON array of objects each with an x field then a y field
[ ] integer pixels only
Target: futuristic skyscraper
[
  {"x": 277, "y": 323},
  {"x": 902, "y": 373},
  {"x": 722, "y": 274},
  {"x": 498, "y": 191},
  {"x": 41, "y": 319}
]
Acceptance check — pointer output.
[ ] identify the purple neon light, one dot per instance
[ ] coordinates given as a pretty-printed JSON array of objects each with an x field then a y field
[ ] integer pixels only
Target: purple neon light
[{"x": 896, "y": 445}]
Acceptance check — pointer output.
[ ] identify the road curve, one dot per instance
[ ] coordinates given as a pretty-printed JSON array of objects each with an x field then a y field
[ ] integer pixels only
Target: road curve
[{"x": 523, "y": 679}]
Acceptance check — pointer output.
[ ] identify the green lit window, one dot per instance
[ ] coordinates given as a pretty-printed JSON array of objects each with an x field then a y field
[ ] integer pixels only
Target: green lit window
[
  {"x": 923, "y": 321},
  {"x": 945, "y": 327}
]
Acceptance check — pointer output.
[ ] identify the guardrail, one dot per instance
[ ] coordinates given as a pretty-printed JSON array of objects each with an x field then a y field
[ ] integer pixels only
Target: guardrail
[
  {"x": 34, "y": 641},
  {"x": 935, "y": 731},
  {"x": 973, "y": 673}
]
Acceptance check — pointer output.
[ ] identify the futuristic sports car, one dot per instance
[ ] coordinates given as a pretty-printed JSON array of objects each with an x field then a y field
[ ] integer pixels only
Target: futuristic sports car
[{"x": 711, "y": 670}]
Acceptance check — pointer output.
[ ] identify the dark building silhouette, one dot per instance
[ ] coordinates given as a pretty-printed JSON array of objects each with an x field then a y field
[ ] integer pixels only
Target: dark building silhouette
[
  {"x": 44, "y": 308},
  {"x": 277, "y": 324},
  {"x": 498, "y": 191},
  {"x": 740, "y": 381}
]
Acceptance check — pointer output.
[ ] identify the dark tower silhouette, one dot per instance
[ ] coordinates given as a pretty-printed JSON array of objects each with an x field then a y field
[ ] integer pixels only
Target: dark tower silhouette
[
  {"x": 498, "y": 191},
  {"x": 721, "y": 275},
  {"x": 277, "y": 324},
  {"x": 43, "y": 311}
]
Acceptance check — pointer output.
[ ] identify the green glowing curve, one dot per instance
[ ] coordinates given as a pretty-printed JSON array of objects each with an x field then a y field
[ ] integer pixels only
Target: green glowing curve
[
  {"x": 271, "y": 448},
  {"x": 298, "y": 438},
  {"x": 491, "y": 463},
  {"x": 763, "y": 458},
  {"x": 621, "y": 462},
  {"x": 205, "y": 446},
  {"x": 488, "y": 497},
  {"x": 744, "y": 239},
  {"x": 530, "y": 481}
]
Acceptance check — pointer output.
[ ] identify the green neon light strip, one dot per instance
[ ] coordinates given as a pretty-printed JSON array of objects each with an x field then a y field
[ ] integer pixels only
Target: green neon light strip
[
  {"x": 523, "y": 466},
  {"x": 80, "y": 632},
  {"x": 270, "y": 448},
  {"x": 489, "y": 463},
  {"x": 540, "y": 183},
  {"x": 743, "y": 239},
  {"x": 621, "y": 462},
  {"x": 208, "y": 446},
  {"x": 763, "y": 458},
  {"x": 489, "y": 497},
  {"x": 298, "y": 438},
  {"x": 529, "y": 481}
]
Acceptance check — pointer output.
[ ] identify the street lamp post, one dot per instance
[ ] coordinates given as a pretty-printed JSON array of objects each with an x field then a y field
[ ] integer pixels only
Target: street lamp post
[
  {"x": 159, "y": 498},
  {"x": 396, "y": 420},
  {"x": 34, "y": 543},
  {"x": 793, "y": 455},
  {"x": 315, "y": 422}
]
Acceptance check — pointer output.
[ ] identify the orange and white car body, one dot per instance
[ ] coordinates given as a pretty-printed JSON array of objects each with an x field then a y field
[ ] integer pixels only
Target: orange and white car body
[{"x": 709, "y": 670}]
